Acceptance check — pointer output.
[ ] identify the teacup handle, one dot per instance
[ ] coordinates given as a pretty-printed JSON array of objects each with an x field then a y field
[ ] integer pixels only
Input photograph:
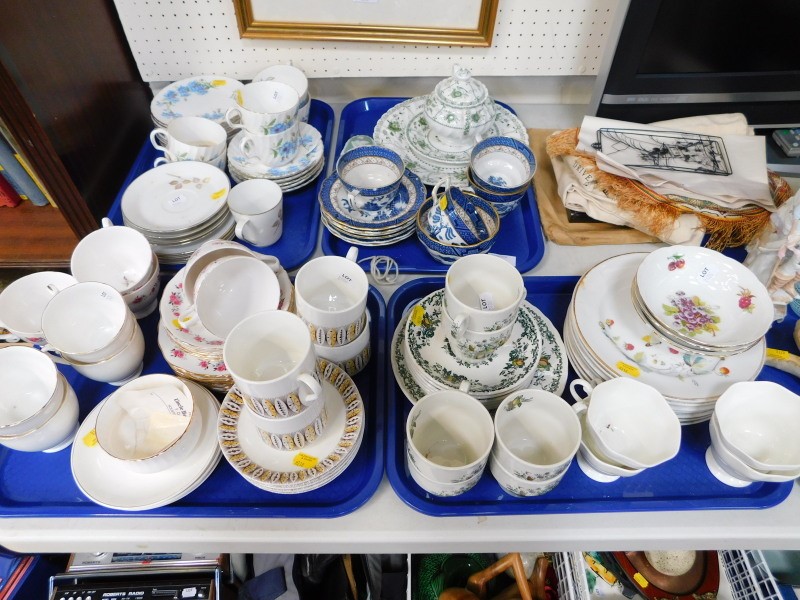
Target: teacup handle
[
  {"x": 271, "y": 261},
  {"x": 352, "y": 254},
  {"x": 435, "y": 193},
  {"x": 357, "y": 141},
  {"x": 587, "y": 388},
  {"x": 158, "y": 131},
  {"x": 356, "y": 199},
  {"x": 106, "y": 222},
  {"x": 313, "y": 385},
  {"x": 464, "y": 387},
  {"x": 247, "y": 146},
  {"x": 233, "y": 110},
  {"x": 162, "y": 160},
  {"x": 53, "y": 353},
  {"x": 460, "y": 325},
  {"x": 239, "y": 230}
]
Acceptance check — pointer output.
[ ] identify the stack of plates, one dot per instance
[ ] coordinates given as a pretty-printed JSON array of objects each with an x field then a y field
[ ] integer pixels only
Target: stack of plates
[
  {"x": 188, "y": 348},
  {"x": 423, "y": 361},
  {"x": 304, "y": 168},
  {"x": 106, "y": 481},
  {"x": 405, "y": 129},
  {"x": 280, "y": 471},
  {"x": 606, "y": 337},
  {"x": 368, "y": 227},
  {"x": 179, "y": 206},
  {"x": 208, "y": 96}
]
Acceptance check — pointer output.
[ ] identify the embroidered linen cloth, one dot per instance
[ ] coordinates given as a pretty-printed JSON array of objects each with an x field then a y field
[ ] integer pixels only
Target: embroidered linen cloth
[{"x": 728, "y": 170}]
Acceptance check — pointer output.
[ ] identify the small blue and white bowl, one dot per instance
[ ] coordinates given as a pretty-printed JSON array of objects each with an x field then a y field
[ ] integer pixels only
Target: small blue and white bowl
[
  {"x": 502, "y": 165},
  {"x": 448, "y": 252},
  {"x": 371, "y": 175}
]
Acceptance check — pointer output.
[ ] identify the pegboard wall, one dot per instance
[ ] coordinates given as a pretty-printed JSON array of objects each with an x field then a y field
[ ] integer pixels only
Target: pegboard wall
[{"x": 173, "y": 39}]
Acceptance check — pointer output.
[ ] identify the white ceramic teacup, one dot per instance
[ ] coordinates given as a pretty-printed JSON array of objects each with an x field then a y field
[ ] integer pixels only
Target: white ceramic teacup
[
  {"x": 757, "y": 422},
  {"x": 31, "y": 391},
  {"x": 257, "y": 207},
  {"x": 474, "y": 345},
  {"x": 331, "y": 297},
  {"x": 117, "y": 255},
  {"x": 518, "y": 486},
  {"x": 271, "y": 359},
  {"x": 629, "y": 422},
  {"x": 232, "y": 289},
  {"x": 482, "y": 293},
  {"x": 353, "y": 356},
  {"x": 191, "y": 138},
  {"x": 211, "y": 251},
  {"x": 220, "y": 160},
  {"x": 264, "y": 107},
  {"x": 294, "y": 77},
  {"x": 272, "y": 150},
  {"x": 88, "y": 322},
  {"x": 594, "y": 464},
  {"x": 54, "y": 434},
  {"x": 23, "y": 301},
  {"x": 537, "y": 434},
  {"x": 449, "y": 435},
  {"x": 143, "y": 299},
  {"x": 119, "y": 368}
]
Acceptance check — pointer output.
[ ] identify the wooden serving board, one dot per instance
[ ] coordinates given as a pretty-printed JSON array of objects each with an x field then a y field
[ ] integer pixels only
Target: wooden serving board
[{"x": 555, "y": 224}]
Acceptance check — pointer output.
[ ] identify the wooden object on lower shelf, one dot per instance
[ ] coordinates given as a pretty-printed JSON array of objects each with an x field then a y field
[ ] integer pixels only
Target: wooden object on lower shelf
[
  {"x": 555, "y": 224},
  {"x": 35, "y": 236}
]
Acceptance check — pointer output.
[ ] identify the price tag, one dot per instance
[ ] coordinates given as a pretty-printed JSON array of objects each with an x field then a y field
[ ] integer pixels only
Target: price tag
[
  {"x": 218, "y": 194},
  {"x": 777, "y": 354},
  {"x": 90, "y": 439},
  {"x": 639, "y": 578},
  {"x": 629, "y": 369},
  {"x": 486, "y": 301},
  {"x": 417, "y": 314},
  {"x": 708, "y": 274},
  {"x": 305, "y": 461}
]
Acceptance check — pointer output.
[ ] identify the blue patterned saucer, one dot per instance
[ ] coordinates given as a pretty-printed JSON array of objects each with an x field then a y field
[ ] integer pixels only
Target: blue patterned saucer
[{"x": 334, "y": 202}]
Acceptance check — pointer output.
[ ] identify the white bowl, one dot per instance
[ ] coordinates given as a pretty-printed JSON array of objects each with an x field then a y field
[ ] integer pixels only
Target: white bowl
[
  {"x": 149, "y": 424},
  {"x": 704, "y": 296},
  {"x": 757, "y": 422}
]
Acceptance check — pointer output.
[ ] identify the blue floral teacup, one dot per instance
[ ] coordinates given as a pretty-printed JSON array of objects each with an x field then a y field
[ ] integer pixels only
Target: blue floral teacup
[
  {"x": 264, "y": 108},
  {"x": 371, "y": 175},
  {"x": 273, "y": 150}
]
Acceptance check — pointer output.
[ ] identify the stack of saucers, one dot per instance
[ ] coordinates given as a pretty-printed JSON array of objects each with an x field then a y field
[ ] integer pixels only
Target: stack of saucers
[
  {"x": 606, "y": 337},
  {"x": 367, "y": 227},
  {"x": 179, "y": 206},
  {"x": 207, "y": 96},
  {"x": 289, "y": 472},
  {"x": 188, "y": 347},
  {"x": 306, "y": 165}
]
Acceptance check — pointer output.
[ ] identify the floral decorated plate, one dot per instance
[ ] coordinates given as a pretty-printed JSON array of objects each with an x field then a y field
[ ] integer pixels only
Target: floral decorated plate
[
  {"x": 105, "y": 480},
  {"x": 402, "y": 128},
  {"x": 296, "y": 179},
  {"x": 207, "y": 96},
  {"x": 175, "y": 197},
  {"x": 198, "y": 368},
  {"x": 610, "y": 333},
  {"x": 333, "y": 200},
  {"x": 309, "y": 153},
  {"x": 704, "y": 296},
  {"x": 292, "y": 472}
]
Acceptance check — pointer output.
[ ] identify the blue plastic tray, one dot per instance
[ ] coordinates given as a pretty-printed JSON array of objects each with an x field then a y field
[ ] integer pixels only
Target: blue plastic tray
[
  {"x": 300, "y": 210},
  {"x": 520, "y": 231},
  {"x": 683, "y": 483},
  {"x": 41, "y": 485}
]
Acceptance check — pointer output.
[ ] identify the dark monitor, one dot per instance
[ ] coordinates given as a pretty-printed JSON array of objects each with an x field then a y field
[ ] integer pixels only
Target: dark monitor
[{"x": 677, "y": 58}]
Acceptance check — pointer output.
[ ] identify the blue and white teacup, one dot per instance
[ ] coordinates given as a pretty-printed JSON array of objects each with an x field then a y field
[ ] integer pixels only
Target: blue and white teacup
[
  {"x": 371, "y": 175},
  {"x": 502, "y": 165},
  {"x": 274, "y": 150},
  {"x": 454, "y": 218}
]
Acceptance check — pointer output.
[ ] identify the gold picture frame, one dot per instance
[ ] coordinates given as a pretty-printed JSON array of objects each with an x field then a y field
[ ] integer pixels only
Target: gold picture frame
[{"x": 253, "y": 23}]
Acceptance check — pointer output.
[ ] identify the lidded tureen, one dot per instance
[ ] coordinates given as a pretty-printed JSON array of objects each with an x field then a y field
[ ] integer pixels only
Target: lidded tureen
[{"x": 459, "y": 110}]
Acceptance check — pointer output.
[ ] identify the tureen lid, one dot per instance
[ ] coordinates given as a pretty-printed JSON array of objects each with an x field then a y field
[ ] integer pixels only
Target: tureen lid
[{"x": 461, "y": 90}]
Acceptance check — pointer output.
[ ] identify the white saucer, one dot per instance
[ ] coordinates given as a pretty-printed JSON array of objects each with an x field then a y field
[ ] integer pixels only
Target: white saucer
[
  {"x": 207, "y": 96},
  {"x": 105, "y": 481},
  {"x": 289, "y": 472},
  {"x": 175, "y": 197}
]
